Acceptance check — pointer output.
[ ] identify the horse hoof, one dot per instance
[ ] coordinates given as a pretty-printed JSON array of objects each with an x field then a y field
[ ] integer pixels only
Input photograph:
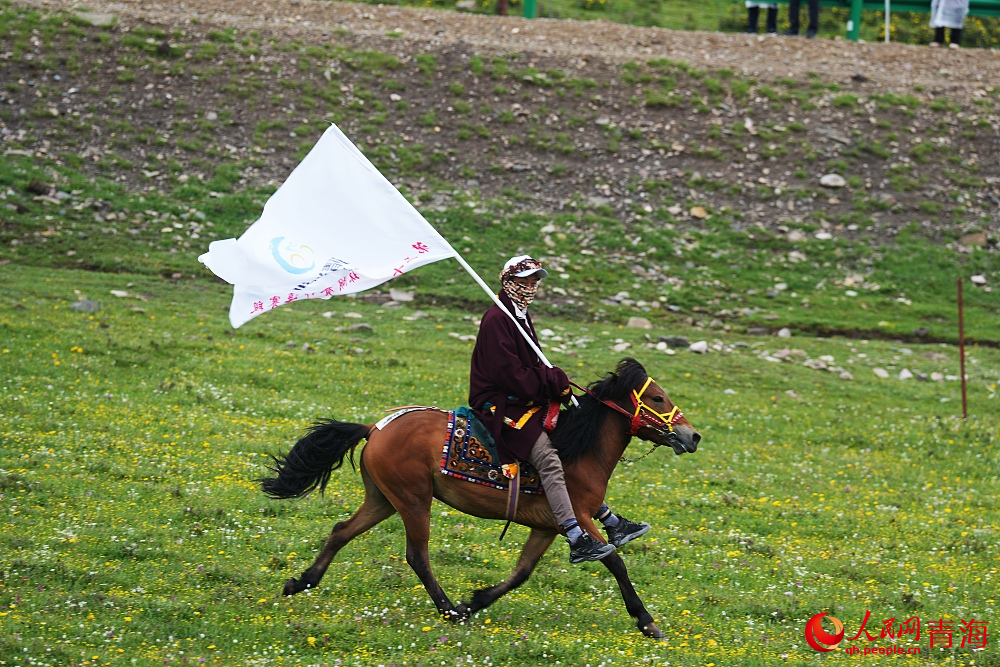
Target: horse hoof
[
  {"x": 293, "y": 586},
  {"x": 650, "y": 630},
  {"x": 459, "y": 614}
]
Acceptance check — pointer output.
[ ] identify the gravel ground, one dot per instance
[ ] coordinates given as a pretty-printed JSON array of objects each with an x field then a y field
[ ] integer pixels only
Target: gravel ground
[{"x": 895, "y": 67}]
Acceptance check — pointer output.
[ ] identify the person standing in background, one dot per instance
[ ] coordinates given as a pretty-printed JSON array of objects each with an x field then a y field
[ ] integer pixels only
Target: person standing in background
[
  {"x": 793, "y": 18},
  {"x": 948, "y": 14},
  {"x": 753, "y": 17}
]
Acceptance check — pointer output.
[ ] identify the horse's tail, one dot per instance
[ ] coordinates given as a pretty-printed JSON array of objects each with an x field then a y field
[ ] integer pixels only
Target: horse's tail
[{"x": 313, "y": 458}]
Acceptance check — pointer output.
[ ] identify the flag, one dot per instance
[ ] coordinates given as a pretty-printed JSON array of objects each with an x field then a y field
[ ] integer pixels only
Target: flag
[{"x": 336, "y": 226}]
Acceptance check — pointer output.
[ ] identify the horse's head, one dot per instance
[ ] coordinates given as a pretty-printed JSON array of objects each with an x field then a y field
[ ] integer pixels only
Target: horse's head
[{"x": 652, "y": 415}]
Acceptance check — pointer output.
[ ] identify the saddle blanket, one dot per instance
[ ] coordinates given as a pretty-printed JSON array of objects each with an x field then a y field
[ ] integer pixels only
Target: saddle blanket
[{"x": 470, "y": 454}]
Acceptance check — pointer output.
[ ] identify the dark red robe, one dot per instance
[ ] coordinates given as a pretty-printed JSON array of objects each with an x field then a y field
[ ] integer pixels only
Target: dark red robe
[{"x": 508, "y": 374}]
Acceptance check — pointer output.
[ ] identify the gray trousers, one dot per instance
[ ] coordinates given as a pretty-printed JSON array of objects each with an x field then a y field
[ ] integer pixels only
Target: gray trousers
[{"x": 546, "y": 460}]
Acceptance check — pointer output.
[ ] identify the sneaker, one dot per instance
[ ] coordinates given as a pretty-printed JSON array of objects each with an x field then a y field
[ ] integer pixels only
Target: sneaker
[
  {"x": 811, "y": 34},
  {"x": 587, "y": 548},
  {"x": 626, "y": 531}
]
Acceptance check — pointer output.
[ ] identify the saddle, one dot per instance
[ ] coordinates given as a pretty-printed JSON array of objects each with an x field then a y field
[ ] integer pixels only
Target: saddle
[{"x": 470, "y": 454}]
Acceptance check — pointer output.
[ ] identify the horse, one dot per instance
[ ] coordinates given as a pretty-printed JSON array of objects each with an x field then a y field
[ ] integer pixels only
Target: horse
[{"x": 400, "y": 467}]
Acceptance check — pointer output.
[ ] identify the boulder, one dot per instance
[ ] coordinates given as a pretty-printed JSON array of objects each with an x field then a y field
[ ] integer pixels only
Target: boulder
[
  {"x": 675, "y": 341},
  {"x": 832, "y": 181},
  {"x": 698, "y": 212},
  {"x": 361, "y": 327},
  {"x": 96, "y": 19},
  {"x": 784, "y": 332},
  {"x": 880, "y": 372},
  {"x": 701, "y": 347},
  {"x": 639, "y": 323},
  {"x": 978, "y": 240},
  {"x": 86, "y": 306},
  {"x": 401, "y": 295}
]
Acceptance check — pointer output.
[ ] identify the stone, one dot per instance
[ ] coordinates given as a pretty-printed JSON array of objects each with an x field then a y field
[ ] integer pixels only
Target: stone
[
  {"x": 466, "y": 5},
  {"x": 698, "y": 212},
  {"x": 784, "y": 332},
  {"x": 119, "y": 293},
  {"x": 639, "y": 323},
  {"x": 846, "y": 376},
  {"x": 921, "y": 331},
  {"x": 880, "y": 372},
  {"x": 401, "y": 295},
  {"x": 415, "y": 316},
  {"x": 353, "y": 315},
  {"x": 361, "y": 327},
  {"x": 978, "y": 280},
  {"x": 393, "y": 97},
  {"x": 86, "y": 306},
  {"x": 905, "y": 374},
  {"x": 978, "y": 239},
  {"x": 675, "y": 210},
  {"x": 328, "y": 314},
  {"x": 661, "y": 346},
  {"x": 758, "y": 331},
  {"x": 832, "y": 181},
  {"x": 937, "y": 377},
  {"x": 675, "y": 341},
  {"x": 701, "y": 347},
  {"x": 620, "y": 347},
  {"x": 824, "y": 236},
  {"x": 546, "y": 333},
  {"x": 795, "y": 257},
  {"x": 211, "y": 115},
  {"x": 795, "y": 236},
  {"x": 97, "y": 19}
]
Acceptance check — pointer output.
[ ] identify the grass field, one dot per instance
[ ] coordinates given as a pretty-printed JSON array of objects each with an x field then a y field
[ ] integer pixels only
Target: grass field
[{"x": 134, "y": 533}]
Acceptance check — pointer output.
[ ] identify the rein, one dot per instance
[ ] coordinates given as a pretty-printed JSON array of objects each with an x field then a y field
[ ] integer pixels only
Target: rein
[{"x": 643, "y": 415}]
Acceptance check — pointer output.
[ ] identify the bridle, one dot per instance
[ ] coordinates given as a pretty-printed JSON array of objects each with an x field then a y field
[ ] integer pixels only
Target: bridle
[{"x": 643, "y": 415}]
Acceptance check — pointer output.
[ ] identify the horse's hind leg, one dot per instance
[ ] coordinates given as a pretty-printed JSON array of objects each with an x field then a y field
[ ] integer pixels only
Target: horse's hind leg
[
  {"x": 538, "y": 543},
  {"x": 375, "y": 509},
  {"x": 414, "y": 508}
]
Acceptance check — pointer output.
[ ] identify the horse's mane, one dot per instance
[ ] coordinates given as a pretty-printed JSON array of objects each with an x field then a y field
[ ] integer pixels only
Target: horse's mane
[{"x": 577, "y": 429}]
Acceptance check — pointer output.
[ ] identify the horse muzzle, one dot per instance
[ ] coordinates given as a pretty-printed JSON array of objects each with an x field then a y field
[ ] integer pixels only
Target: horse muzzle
[{"x": 683, "y": 440}]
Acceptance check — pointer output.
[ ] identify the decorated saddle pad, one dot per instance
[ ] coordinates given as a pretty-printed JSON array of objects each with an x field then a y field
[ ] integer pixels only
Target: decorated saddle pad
[{"x": 470, "y": 454}]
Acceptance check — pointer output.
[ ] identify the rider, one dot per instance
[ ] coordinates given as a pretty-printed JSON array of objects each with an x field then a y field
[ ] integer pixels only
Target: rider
[{"x": 507, "y": 380}]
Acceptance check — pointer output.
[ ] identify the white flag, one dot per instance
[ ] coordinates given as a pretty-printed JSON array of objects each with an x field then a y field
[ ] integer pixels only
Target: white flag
[{"x": 336, "y": 226}]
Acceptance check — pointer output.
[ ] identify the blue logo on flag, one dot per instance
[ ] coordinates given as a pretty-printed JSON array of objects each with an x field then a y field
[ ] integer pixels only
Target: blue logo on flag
[{"x": 292, "y": 257}]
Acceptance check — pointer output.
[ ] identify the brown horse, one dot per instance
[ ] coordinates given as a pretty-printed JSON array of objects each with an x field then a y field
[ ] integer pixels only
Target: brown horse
[{"x": 400, "y": 467}]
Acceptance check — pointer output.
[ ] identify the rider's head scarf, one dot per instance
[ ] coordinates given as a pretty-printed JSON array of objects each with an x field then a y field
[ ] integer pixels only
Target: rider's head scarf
[{"x": 521, "y": 267}]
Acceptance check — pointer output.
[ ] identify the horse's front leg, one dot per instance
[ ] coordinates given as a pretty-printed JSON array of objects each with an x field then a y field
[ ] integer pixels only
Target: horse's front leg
[
  {"x": 538, "y": 543},
  {"x": 633, "y": 604},
  {"x": 616, "y": 566}
]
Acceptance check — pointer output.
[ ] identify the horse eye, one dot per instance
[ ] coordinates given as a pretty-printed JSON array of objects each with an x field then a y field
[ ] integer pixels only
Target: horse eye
[{"x": 657, "y": 399}]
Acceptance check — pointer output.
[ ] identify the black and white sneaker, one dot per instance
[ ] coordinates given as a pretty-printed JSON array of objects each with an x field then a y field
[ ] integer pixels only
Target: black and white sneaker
[
  {"x": 586, "y": 548},
  {"x": 626, "y": 531}
]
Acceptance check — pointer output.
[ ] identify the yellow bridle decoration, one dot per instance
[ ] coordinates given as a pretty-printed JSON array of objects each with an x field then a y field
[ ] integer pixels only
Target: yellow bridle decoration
[{"x": 667, "y": 417}]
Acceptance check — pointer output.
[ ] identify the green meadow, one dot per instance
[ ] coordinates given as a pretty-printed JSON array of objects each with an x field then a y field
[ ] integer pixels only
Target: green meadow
[{"x": 134, "y": 533}]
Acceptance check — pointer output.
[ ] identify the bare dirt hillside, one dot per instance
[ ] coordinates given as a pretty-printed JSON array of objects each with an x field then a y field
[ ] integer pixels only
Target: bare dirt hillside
[{"x": 506, "y": 115}]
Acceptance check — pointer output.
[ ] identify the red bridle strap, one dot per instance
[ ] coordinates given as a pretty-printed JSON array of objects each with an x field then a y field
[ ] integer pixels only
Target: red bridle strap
[{"x": 643, "y": 414}]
